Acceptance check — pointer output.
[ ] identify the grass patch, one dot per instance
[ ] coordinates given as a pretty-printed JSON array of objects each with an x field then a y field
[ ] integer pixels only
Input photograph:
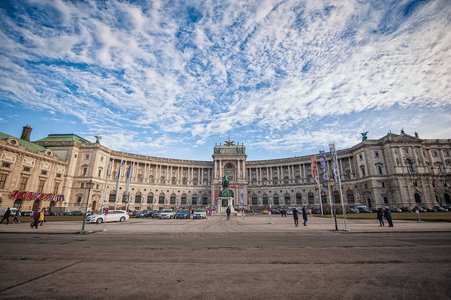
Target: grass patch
[{"x": 426, "y": 216}]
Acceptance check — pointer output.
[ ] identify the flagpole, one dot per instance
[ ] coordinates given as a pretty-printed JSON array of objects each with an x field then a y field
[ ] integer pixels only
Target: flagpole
[
  {"x": 117, "y": 182},
  {"x": 106, "y": 181}
]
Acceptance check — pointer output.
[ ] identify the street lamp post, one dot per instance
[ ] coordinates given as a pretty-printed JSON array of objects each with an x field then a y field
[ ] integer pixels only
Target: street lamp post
[
  {"x": 331, "y": 183},
  {"x": 89, "y": 185}
]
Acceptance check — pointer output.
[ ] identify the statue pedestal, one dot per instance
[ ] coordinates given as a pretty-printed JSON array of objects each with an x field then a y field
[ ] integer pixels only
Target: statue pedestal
[{"x": 223, "y": 203}]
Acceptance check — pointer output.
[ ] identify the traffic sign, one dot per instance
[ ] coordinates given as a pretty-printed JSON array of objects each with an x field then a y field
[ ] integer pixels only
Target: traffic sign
[{"x": 106, "y": 211}]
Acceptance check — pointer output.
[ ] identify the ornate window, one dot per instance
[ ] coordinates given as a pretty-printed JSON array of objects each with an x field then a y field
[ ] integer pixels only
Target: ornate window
[
  {"x": 194, "y": 199},
  {"x": 409, "y": 165},
  {"x": 150, "y": 198},
  {"x": 254, "y": 199},
  {"x": 298, "y": 198},
  {"x": 265, "y": 199},
  {"x": 138, "y": 198},
  {"x": 276, "y": 199},
  {"x": 183, "y": 199},
  {"x": 311, "y": 198},
  {"x": 161, "y": 199},
  {"x": 172, "y": 199},
  {"x": 112, "y": 197},
  {"x": 204, "y": 199}
]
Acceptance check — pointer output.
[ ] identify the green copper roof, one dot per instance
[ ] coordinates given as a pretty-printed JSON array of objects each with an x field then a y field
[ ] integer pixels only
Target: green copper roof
[
  {"x": 64, "y": 138},
  {"x": 26, "y": 144}
]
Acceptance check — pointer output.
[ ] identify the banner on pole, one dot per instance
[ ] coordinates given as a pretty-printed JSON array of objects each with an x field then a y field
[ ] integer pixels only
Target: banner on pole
[
  {"x": 314, "y": 171},
  {"x": 322, "y": 158}
]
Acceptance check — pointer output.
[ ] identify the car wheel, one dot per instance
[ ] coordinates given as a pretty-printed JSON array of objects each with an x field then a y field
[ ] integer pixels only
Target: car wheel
[
  {"x": 122, "y": 219},
  {"x": 99, "y": 220}
]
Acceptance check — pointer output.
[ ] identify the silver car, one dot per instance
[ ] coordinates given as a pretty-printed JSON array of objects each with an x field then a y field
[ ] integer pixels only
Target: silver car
[{"x": 113, "y": 216}]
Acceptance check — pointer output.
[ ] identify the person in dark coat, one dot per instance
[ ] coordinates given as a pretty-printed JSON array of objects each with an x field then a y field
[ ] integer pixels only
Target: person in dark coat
[
  {"x": 295, "y": 217},
  {"x": 6, "y": 216},
  {"x": 16, "y": 217},
  {"x": 387, "y": 215},
  {"x": 35, "y": 217},
  {"x": 304, "y": 215},
  {"x": 228, "y": 213},
  {"x": 380, "y": 216}
]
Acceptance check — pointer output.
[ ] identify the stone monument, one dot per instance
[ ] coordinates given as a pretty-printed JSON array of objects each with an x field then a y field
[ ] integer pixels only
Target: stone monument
[{"x": 225, "y": 196}]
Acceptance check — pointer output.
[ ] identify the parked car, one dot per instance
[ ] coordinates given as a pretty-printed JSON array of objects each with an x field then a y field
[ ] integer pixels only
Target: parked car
[
  {"x": 265, "y": 211},
  {"x": 75, "y": 213},
  {"x": 364, "y": 210},
  {"x": 199, "y": 214},
  {"x": 156, "y": 214},
  {"x": 26, "y": 213},
  {"x": 448, "y": 208},
  {"x": 354, "y": 210},
  {"x": 405, "y": 209},
  {"x": 395, "y": 209},
  {"x": 143, "y": 213},
  {"x": 113, "y": 216},
  {"x": 183, "y": 214},
  {"x": 373, "y": 209},
  {"x": 428, "y": 209},
  {"x": 3, "y": 210},
  {"x": 167, "y": 214},
  {"x": 438, "y": 208}
]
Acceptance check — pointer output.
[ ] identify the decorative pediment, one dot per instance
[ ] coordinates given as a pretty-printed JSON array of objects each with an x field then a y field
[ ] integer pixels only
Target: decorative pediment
[
  {"x": 405, "y": 138},
  {"x": 9, "y": 157},
  {"x": 28, "y": 162}
]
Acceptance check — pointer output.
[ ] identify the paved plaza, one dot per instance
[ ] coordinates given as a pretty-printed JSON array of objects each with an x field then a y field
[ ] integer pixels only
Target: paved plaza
[{"x": 250, "y": 257}]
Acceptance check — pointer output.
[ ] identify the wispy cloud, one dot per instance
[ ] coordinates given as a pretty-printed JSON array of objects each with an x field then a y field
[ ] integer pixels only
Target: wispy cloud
[{"x": 193, "y": 71}]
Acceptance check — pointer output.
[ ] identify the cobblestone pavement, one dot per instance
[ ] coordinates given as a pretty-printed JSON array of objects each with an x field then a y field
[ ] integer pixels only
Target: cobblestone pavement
[{"x": 244, "y": 258}]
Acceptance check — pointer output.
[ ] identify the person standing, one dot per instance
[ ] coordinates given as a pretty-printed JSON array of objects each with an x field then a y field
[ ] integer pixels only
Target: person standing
[
  {"x": 35, "y": 217},
  {"x": 295, "y": 217},
  {"x": 228, "y": 213},
  {"x": 6, "y": 216},
  {"x": 304, "y": 215},
  {"x": 380, "y": 216},
  {"x": 16, "y": 216},
  {"x": 387, "y": 215},
  {"x": 42, "y": 216}
]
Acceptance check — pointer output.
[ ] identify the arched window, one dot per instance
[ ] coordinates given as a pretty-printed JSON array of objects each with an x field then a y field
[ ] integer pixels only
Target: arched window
[
  {"x": 265, "y": 199},
  {"x": 275, "y": 180},
  {"x": 172, "y": 199},
  {"x": 112, "y": 197},
  {"x": 161, "y": 199},
  {"x": 204, "y": 199},
  {"x": 138, "y": 198},
  {"x": 298, "y": 198},
  {"x": 323, "y": 197},
  {"x": 417, "y": 198},
  {"x": 194, "y": 199},
  {"x": 183, "y": 199},
  {"x": 362, "y": 169},
  {"x": 350, "y": 196},
  {"x": 150, "y": 198},
  {"x": 337, "y": 199},
  {"x": 311, "y": 198},
  {"x": 254, "y": 181},
  {"x": 276, "y": 199},
  {"x": 254, "y": 200},
  {"x": 385, "y": 200},
  {"x": 287, "y": 199},
  {"x": 379, "y": 169}
]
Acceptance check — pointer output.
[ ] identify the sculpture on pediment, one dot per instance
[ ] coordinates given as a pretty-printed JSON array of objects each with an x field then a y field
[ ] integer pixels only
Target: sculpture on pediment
[
  {"x": 229, "y": 142},
  {"x": 98, "y": 137},
  {"x": 364, "y": 136},
  {"x": 225, "y": 192}
]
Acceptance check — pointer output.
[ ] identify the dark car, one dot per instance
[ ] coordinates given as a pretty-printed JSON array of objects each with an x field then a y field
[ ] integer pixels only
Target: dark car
[
  {"x": 438, "y": 208},
  {"x": 428, "y": 209},
  {"x": 395, "y": 209},
  {"x": 75, "y": 213},
  {"x": 354, "y": 211},
  {"x": 364, "y": 210},
  {"x": 156, "y": 214},
  {"x": 405, "y": 209},
  {"x": 183, "y": 214},
  {"x": 142, "y": 213}
]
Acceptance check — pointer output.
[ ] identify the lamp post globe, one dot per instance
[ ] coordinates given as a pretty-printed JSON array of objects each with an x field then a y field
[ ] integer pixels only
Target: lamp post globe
[{"x": 89, "y": 185}]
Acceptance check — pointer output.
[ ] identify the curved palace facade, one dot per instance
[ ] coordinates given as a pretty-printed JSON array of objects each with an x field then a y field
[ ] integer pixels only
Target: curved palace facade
[{"x": 395, "y": 170}]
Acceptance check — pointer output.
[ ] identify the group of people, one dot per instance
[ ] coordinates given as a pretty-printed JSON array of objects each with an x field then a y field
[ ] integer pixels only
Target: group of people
[
  {"x": 8, "y": 214},
  {"x": 296, "y": 218},
  {"x": 380, "y": 214},
  {"x": 38, "y": 217}
]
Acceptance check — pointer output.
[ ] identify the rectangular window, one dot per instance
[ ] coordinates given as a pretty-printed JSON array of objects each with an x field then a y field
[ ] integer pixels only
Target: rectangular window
[
  {"x": 26, "y": 169},
  {"x": 6, "y": 165},
  {"x": 85, "y": 170},
  {"x": 41, "y": 186},
  {"x": 55, "y": 187},
  {"x": 43, "y": 172},
  {"x": 82, "y": 185},
  {"x": 3, "y": 181},
  {"x": 376, "y": 154},
  {"x": 58, "y": 175},
  {"x": 382, "y": 184},
  {"x": 100, "y": 173},
  {"x": 87, "y": 156},
  {"x": 23, "y": 183}
]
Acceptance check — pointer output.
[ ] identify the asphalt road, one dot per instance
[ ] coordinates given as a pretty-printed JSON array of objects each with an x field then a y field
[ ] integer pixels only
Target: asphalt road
[{"x": 215, "y": 259}]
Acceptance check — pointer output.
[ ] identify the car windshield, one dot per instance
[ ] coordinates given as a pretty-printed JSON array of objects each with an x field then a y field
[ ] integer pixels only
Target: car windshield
[
  {"x": 183, "y": 212},
  {"x": 167, "y": 210},
  {"x": 199, "y": 210}
]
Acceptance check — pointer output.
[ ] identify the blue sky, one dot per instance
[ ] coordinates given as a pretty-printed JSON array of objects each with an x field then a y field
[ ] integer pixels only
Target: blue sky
[{"x": 172, "y": 78}]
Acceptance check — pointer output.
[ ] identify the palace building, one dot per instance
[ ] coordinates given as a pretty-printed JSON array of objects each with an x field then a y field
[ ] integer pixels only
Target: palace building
[{"x": 395, "y": 170}]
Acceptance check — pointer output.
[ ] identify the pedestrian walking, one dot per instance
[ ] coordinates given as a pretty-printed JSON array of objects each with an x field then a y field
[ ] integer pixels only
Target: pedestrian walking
[
  {"x": 35, "y": 218},
  {"x": 295, "y": 217},
  {"x": 228, "y": 213},
  {"x": 304, "y": 215},
  {"x": 387, "y": 215},
  {"x": 380, "y": 216},
  {"x": 6, "y": 216},
  {"x": 16, "y": 216},
  {"x": 42, "y": 217}
]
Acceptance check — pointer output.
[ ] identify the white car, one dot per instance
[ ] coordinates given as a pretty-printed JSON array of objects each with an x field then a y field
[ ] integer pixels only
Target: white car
[
  {"x": 199, "y": 214},
  {"x": 113, "y": 216},
  {"x": 167, "y": 214}
]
